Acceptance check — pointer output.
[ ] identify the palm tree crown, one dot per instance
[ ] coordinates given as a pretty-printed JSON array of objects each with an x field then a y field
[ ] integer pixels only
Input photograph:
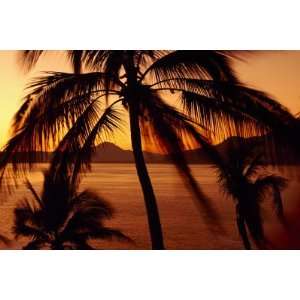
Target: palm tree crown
[{"x": 63, "y": 218}]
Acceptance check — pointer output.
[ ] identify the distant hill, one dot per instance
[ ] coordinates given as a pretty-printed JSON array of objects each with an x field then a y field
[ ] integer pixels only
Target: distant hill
[
  {"x": 199, "y": 156},
  {"x": 111, "y": 153}
]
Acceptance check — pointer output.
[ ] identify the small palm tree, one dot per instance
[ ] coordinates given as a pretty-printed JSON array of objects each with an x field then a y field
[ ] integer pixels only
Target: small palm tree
[
  {"x": 63, "y": 218},
  {"x": 172, "y": 98},
  {"x": 243, "y": 177}
]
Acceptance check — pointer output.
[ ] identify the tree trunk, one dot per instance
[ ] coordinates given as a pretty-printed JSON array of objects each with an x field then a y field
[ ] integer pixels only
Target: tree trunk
[
  {"x": 144, "y": 178},
  {"x": 133, "y": 100},
  {"x": 242, "y": 229}
]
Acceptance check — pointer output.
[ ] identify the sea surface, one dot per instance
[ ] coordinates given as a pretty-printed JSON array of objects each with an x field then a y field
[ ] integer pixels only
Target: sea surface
[{"x": 184, "y": 226}]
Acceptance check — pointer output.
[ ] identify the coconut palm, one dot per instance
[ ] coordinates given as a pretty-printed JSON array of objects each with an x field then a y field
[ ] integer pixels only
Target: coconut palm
[
  {"x": 62, "y": 217},
  {"x": 244, "y": 178},
  {"x": 173, "y": 99}
]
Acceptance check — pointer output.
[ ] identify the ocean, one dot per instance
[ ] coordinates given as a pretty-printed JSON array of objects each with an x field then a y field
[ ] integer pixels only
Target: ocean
[{"x": 184, "y": 226}]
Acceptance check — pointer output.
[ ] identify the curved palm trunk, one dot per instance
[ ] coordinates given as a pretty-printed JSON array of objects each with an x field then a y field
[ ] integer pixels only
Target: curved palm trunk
[
  {"x": 242, "y": 230},
  {"x": 144, "y": 178},
  {"x": 243, "y": 233},
  {"x": 136, "y": 142}
]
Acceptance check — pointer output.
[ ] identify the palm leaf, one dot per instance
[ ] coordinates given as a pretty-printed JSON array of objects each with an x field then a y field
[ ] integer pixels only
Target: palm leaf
[
  {"x": 89, "y": 199},
  {"x": 35, "y": 244},
  {"x": 193, "y": 64},
  {"x": 87, "y": 211},
  {"x": 34, "y": 193},
  {"x": 27, "y": 220},
  {"x": 108, "y": 123},
  {"x": 276, "y": 184},
  {"x": 230, "y": 108},
  {"x": 29, "y": 58},
  {"x": 105, "y": 233},
  {"x": 79, "y": 143}
]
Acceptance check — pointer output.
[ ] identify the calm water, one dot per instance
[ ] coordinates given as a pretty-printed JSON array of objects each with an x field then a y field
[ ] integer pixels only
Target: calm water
[{"x": 183, "y": 225}]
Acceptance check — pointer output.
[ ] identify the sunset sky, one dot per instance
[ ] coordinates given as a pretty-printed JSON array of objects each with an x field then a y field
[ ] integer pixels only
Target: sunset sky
[{"x": 275, "y": 72}]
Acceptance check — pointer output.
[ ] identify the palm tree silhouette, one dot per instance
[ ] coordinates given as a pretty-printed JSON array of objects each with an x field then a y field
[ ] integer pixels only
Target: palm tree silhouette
[
  {"x": 244, "y": 178},
  {"x": 62, "y": 217},
  {"x": 173, "y": 98}
]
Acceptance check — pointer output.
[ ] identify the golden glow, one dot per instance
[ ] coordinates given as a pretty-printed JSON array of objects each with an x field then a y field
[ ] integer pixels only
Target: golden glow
[{"x": 275, "y": 72}]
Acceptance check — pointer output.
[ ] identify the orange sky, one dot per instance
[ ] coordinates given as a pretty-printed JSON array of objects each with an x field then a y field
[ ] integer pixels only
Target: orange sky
[{"x": 275, "y": 72}]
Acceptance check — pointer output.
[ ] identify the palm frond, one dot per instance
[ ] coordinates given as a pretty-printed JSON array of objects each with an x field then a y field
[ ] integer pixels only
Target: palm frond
[
  {"x": 272, "y": 184},
  {"x": 78, "y": 145},
  {"x": 105, "y": 233},
  {"x": 269, "y": 181},
  {"x": 112, "y": 61},
  {"x": 42, "y": 131},
  {"x": 22, "y": 229},
  {"x": 231, "y": 99},
  {"x": 28, "y": 58},
  {"x": 230, "y": 108},
  {"x": 89, "y": 199},
  {"x": 96, "y": 59},
  {"x": 193, "y": 64},
  {"x": 87, "y": 211},
  {"x": 223, "y": 120},
  {"x": 105, "y": 127},
  {"x": 60, "y": 86},
  {"x": 49, "y": 108},
  {"x": 20, "y": 114},
  {"x": 27, "y": 220},
  {"x": 106, "y": 61},
  {"x": 44, "y": 123},
  {"x": 35, "y": 244},
  {"x": 34, "y": 193},
  {"x": 24, "y": 210},
  {"x": 144, "y": 58}
]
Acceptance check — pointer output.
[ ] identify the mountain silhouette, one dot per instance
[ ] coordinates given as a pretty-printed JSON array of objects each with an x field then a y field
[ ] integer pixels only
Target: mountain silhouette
[{"x": 111, "y": 153}]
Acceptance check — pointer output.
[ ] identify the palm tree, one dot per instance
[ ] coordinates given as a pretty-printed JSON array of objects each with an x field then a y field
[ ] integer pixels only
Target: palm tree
[
  {"x": 173, "y": 99},
  {"x": 62, "y": 217},
  {"x": 243, "y": 177}
]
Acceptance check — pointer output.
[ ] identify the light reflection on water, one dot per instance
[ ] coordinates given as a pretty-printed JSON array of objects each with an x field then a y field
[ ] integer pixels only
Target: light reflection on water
[{"x": 183, "y": 225}]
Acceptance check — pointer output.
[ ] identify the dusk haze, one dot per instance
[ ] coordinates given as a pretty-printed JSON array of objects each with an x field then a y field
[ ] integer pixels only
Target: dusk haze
[{"x": 149, "y": 149}]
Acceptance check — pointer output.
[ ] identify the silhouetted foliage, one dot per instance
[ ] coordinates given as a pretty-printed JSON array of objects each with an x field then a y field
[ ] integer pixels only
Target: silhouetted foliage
[
  {"x": 62, "y": 217},
  {"x": 245, "y": 179},
  {"x": 173, "y": 98}
]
